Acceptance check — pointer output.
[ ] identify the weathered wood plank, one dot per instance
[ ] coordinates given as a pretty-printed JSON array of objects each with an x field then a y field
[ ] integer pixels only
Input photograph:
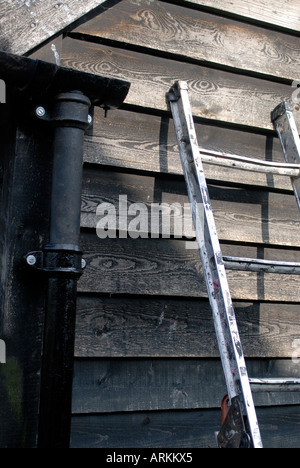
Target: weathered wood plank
[
  {"x": 120, "y": 140},
  {"x": 166, "y": 267},
  {"x": 27, "y": 24},
  {"x": 156, "y": 327},
  {"x": 214, "y": 94},
  {"x": 241, "y": 215},
  {"x": 27, "y": 182},
  {"x": 182, "y": 429},
  {"x": 187, "y": 429},
  {"x": 109, "y": 386},
  {"x": 284, "y": 14},
  {"x": 197, "y": 35}
]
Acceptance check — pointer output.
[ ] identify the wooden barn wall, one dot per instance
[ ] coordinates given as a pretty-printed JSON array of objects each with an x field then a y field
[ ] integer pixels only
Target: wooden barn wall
[
  {"x": 25, "y": 25},
  {"x": 147, "y": 371}
]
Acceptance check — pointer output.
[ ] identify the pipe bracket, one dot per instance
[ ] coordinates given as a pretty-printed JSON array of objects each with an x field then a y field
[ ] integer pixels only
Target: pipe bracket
[{"x": 57, "y": 261}]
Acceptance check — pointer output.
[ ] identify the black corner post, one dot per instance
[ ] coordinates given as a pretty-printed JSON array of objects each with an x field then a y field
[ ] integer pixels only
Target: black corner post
[
  {"x": 68, "y": 95},
  {"x": 63, "y": 256}
]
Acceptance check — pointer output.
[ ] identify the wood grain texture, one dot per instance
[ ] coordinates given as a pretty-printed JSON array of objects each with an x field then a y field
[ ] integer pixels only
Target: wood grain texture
[
  {"x": 27, "y": 24},
  {"x": 27, "y": 182},
  {"x": 174, "y": 327},
  {"x": 214, "y": 94},
  {"x": 178, "y": 429},
  {"x": 188, "y": 429},
  {"x": 120, "y": 385},
  {"x": 120, "y": 140},
  {"x": 197, "y": 35},
  {"x": 165, "y": 267},
  {"x": 282, "y": 13},
  {"x": 241, "y": 215}
]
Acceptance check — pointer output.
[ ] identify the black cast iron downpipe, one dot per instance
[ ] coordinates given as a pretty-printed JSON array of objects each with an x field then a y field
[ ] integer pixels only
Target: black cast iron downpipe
[
  {"x": 70, "y": 118},
  {"x": 61, "y": 258}
]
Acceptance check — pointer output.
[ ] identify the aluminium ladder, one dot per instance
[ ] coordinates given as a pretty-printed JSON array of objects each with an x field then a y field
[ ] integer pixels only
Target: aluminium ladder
[{"x": 240, "y": 427}]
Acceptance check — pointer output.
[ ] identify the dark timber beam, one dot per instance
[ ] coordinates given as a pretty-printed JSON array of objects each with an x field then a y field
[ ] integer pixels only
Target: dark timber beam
[{"x": 66, "y": 97}]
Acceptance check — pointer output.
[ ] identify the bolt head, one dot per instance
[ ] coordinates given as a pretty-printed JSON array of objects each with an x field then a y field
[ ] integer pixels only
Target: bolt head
[
  {"x": 31, "y": 260},
  {"x": 83, "y": 263},
  {"x": 90, "y": 119},
  {"x": 40, "y": 111}
]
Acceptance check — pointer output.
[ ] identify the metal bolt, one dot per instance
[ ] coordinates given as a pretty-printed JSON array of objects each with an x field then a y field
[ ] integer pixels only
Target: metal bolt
[
  {"x": 90, "y": 119},
  {"x": 40, "y": 111},
  {"x": 83, "y": 263},
  {"x": 31, "y": 260}
]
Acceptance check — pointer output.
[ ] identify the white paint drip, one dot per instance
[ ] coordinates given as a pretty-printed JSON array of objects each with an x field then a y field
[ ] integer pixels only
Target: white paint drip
[
  {"x": 161, "y": 319},
  {"x": 172, "y": 329},
  {"x": 56, "y": 54},
  {"x": 176, "y": 24}
]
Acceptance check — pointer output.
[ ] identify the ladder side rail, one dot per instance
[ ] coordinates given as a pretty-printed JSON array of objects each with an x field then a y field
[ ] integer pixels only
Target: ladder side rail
[
  {"x": 201, "y": 224},
  {"x": 285, "y": 125},
  {"x": 229, "y": 342}
]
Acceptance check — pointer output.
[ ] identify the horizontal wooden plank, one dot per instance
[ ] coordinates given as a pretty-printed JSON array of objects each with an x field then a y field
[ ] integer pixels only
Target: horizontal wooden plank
[
  {"x": 284, "y": 14},
  {"x": 27, "y": 24},
  {"x": 241, "y": 215},
  {"x": 196, "y": 35},
  {"x": 120, "y": 140},
  {"x": 183, "y": 429},
  {"x": 214, "y": 94},
  {"x": 167, "y": 267},
  {"x": 187, "y": 429},
  {"x": 107, "y": 386},
  {"x": 156, "y": 327}
]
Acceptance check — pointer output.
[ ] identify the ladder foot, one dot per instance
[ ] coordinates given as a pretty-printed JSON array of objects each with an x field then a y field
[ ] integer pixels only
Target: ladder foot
[{"x": 233, "y": 433}]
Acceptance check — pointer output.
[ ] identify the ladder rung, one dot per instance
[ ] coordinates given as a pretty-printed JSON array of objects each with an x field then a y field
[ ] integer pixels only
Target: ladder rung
[
  {"x": 257, "y": 265},
  {"x": 249, "y": 164},
  {"x": 275, "y": 385}
]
